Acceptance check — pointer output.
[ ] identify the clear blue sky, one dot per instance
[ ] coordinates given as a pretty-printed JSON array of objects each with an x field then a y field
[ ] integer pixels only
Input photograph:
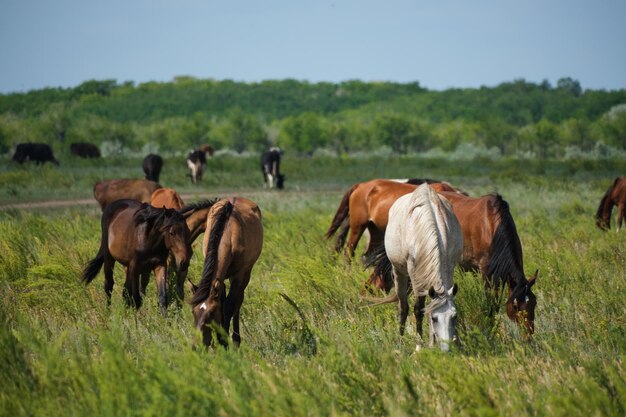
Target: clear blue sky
[{"x": 439, "y": 43}]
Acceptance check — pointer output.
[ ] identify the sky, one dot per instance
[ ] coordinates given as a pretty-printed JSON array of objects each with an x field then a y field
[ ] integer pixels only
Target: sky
[{"x": 438, "y": 43}]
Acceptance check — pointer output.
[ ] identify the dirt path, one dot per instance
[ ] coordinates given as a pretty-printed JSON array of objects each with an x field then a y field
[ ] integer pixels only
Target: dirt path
[{"x": 186, "y": 197}]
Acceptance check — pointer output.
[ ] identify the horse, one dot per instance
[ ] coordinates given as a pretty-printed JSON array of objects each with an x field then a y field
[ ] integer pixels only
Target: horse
[
  {"x": 140, "y": 237},
  {"x": 270, "y": 167},
  {"x": 231, "y": 245},
  {"x": 196, "y": 162},
  {"x": 166, "y": 198},
  {"x": 152, "y": 165},
  {"x": 106, "y": 192},
  {"x": 423, "y": 242},
  {"x": 365, "y": 206},
  {"x": 614, "y": 196},
  {"x": 492, "y": 246}
]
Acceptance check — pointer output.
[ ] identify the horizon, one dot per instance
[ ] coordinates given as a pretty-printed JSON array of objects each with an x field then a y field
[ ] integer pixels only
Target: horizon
[{"x": 441, "y": 46}]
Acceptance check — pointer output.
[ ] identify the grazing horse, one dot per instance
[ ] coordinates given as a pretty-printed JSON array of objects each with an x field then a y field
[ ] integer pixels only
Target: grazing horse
[
  {"x": 106, "y": 192},
  {"x": 614, "y": 196},
  {"x": 196, "y": 161},
  {"x": 152, "y": 165},
  {"x": 365, "y": 206},
  {"x": 492, "y": 246},
  {"x": 270, "y": 166},
  {"x": 166, "y": 198},
  {"x": 231, "y": 246},
  {"x": 140, "y": 237},
  {"x": 423, "y": 243}
]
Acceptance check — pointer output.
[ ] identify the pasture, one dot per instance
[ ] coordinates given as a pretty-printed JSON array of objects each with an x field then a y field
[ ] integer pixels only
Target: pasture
[{"x": 310, "y": 347}]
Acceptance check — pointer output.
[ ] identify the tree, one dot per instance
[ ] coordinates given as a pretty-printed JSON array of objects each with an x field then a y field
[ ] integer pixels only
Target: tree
[
  {"x": 570, "y": 85},
  {"x": 304, "y": 133}
]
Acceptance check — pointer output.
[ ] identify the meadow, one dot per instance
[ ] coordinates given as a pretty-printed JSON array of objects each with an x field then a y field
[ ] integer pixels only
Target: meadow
[{"x": 310, "y": 346}]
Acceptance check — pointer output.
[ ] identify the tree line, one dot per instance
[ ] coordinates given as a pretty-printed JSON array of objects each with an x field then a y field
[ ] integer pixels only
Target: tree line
[{"x": 517, "y": 117}]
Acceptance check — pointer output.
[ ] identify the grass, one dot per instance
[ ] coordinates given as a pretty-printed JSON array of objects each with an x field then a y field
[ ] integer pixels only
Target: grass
[{"x": 309, "y": 346}]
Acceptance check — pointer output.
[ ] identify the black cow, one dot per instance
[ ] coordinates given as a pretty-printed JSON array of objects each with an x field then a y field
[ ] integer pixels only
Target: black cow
[
  {"x": 152, "y": 165},
  {"x": 85, "y": 150},
  {"x": 38, "y": 152},
  {"x": 270, "y": 166}
]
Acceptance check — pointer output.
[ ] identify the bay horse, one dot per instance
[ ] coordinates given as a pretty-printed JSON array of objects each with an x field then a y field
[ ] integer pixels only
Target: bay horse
[
  {"x": 140, "y": 237},
  {"x": 106, "y": 192},
  {"x": 492, "y": 246},
  {"x": 423, "y": 242},
  {"x": 614, "y": 196},
  {"x": 231, "y": 246}
]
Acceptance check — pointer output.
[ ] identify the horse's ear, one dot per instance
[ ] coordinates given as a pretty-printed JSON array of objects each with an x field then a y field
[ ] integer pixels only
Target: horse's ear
[
  {"x": 432, "y": 293},
  {"x": 533, "y": 279},
  {"x": 453, "y": 290}
]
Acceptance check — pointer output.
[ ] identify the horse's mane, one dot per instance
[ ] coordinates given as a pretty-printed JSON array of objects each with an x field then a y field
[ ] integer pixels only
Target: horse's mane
[
  {"x": 429, "y": 222},
  {"x": 202, "y": 204},
  {"x": 210, "y": 261},
  {"x": 156, "y": 217},
  {"x": 505, "y": 258},
  {"x": 420, "y": 181}
]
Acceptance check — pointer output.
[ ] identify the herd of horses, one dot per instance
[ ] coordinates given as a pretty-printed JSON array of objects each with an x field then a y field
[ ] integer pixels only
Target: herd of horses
[{"x": 419, "y": 231}]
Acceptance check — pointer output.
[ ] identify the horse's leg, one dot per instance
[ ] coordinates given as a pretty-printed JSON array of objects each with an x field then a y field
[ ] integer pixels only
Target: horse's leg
[
  {"x": 418, "y": 310},
  {"x": 356, "y": 230},
  {"x": 109, "y": 263},
  {"x": 132, "y": 286},
  {"x": 233, "y": 304},
  {"x": 620, "y": 214},
  {"x": 145, "y": 280},
  {"x": 402, "y": 283},
  {"x": 160, "y": 273}
]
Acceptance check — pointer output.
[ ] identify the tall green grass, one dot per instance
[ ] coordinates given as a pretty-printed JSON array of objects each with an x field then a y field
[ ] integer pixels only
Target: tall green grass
[{"x": 309, "y": 345}]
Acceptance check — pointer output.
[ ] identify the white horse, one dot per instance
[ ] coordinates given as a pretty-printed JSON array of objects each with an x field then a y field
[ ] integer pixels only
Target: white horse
[{"x": 424, "y": 243}]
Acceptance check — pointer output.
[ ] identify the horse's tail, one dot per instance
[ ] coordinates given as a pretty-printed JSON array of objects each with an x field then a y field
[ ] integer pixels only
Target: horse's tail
[
  {"x": 341, "y": 220},
  {"x": 505, "y": 257},
  {"x": 382, "y": 276},
  {"x": 210, "y": 261},
  {"x": 602, "y": 223},
  {"x": 93, "y": 267}
]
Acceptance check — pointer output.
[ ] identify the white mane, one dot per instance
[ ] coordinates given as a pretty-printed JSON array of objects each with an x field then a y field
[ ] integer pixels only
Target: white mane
[{"x": 424, "y": 240}]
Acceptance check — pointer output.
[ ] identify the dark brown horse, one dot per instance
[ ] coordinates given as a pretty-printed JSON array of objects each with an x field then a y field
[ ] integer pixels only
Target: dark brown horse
[
  {"x": 366, "y": 206},
  {"x": 492, "y": 246},
  {"x": 140, "y": 237},
  {"x": 614, "y": 196},
  {"x": 232, "y": 245}
]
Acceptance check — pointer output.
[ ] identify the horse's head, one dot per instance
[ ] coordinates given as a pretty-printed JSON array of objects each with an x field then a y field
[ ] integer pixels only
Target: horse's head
[
  {"x": 442, "y": 315},
  {"x": 521, "y": 304},
  {"x": 280, "y": 181},
  {"x": 176, "y": 236},
  {"x": 208, "y": 314}
]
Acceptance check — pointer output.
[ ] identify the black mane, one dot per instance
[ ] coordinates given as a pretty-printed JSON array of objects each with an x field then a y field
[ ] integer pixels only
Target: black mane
[{"x": 198, "y": 205}]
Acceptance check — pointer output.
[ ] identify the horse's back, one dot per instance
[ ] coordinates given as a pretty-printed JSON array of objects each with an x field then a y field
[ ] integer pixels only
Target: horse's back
[
  {"x": 166, "y": 198},
  {"x": 106, "y": 192}
]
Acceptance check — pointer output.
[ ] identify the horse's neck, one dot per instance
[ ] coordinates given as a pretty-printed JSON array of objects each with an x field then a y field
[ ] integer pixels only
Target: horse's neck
[{"x": 196, "y": 223}]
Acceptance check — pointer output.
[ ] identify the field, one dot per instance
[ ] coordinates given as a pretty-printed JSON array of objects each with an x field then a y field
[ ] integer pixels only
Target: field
[{"x": 310, "y": 347}]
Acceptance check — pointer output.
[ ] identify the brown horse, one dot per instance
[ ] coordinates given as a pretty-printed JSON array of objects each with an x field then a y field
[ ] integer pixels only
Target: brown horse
[
  {"x": 231, "y": 246},
  {"x": 492, "y": 246},
  {"x": 106, "y": 192},
  {"x": 614, "y": 196},
  {"x": 166, "y": 198},
  {"x": 140, "y": 237},
  {"x": 366, "y": 206}
]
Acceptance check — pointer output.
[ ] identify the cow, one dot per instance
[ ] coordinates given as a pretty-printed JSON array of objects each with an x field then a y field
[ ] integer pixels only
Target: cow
[
  {"x": 38, "y": 152},
  {"x": 85, "y": 150},
  {"x": 152, "y": 165},
  {"x": 106, "y": 192},
  {"x": 270, "y": 166},
  {"x": 196, "y": 161}
]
